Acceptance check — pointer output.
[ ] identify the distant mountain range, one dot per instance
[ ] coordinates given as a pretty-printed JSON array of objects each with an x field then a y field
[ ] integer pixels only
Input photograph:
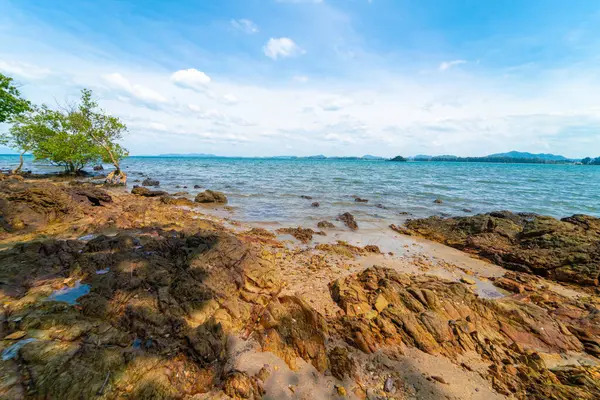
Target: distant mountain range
[
  {"x": 517, "y": 156},
  {"x": 525, "y": 155}
]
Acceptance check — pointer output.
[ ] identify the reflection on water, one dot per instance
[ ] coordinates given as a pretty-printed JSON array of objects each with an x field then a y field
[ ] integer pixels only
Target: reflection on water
[{"x": 70, "y": 295}]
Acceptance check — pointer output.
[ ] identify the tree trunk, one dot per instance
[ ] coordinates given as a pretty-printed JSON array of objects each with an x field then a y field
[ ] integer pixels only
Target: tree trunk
[
  {"x": 116, "y": 177},
  {"x": 18, "y": 169}
]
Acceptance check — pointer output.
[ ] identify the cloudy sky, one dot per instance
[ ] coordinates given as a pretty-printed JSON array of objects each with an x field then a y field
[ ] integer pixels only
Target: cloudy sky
[{"x": 333, "y": 77}]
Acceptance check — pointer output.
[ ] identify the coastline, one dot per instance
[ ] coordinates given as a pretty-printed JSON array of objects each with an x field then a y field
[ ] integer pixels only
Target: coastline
[{"x": 255, "y": 283}]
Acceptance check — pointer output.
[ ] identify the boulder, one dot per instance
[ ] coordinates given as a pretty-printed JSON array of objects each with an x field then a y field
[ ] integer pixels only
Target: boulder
[
  {"x": 150, "y": 182},
  {"x": 145, "y": 192},
  {"x": 210, "y": 196},
  {"x": 315, "y": 204},
  {"x": 98, "y": 167}
]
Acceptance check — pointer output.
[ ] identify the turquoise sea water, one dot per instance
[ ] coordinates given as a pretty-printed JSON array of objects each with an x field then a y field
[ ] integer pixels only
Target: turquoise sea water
[{"x": 270, "y": 189}]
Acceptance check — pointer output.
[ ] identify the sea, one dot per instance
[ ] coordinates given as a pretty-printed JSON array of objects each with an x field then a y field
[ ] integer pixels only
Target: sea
[{"x": 270, "y": 190}]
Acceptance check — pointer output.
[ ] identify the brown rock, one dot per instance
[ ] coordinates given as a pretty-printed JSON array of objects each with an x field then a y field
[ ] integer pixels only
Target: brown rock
[
  {"x": 348, "y": 220},
  {"x": 325, "y": 224},
  {"x": 210, "y": 196},
  {"x": 341, "y": 364}
]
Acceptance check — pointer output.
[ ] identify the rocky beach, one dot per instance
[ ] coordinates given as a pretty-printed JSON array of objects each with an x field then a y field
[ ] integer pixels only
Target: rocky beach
[{"x": 111, "y": 294}]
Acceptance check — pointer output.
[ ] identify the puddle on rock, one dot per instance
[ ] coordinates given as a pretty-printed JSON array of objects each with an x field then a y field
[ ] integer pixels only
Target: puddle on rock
[
  {"x": 70, "y": 295},
  {"x": 11, "y": 352}
]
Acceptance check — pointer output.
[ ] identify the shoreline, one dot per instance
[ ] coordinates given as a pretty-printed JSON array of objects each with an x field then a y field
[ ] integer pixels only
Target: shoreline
[{"x": 287, "y": 311}]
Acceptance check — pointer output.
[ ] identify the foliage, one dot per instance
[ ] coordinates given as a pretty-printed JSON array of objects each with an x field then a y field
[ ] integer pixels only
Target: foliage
[
  {"x": 53, "y": 137},
  {"x": 11, "y": 102},
  {"x": 398, "y": 159},
  {"x": 102, "y": 129},
  {"x": 72, "y": 137}
]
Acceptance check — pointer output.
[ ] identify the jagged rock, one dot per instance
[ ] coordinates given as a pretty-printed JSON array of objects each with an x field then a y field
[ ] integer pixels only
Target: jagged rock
[
  {"x": 447, "y": 318},
  {"x": 210, "y": 196},
  {"x": 341, "y": 364},
  {"x": 290, "y": 328},
  {"x": 239, "y": 385},
  {"x": 348, "y": 220},
  {"x": 564, "y": 250}
]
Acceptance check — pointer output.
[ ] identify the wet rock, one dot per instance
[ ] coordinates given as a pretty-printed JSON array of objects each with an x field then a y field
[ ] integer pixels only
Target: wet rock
[
  {"x": 315, "y": 204},
  {"x": 401, "y": 229},
  {"x": 150, "y": 182},
  {"x": 177, "y": 201},
  {"x": 325, "y": 224},
  {"x": 304, "y": 235},
  {"x": 371, "y": 248},
  {"x": 360, "y": 200},
  {"x": 438, "y": 201},
  {"x": 145, "y": 192},
  {"x": 381, "y": 206},
  {"x": 197, "y": 187},
  {"x": 564, "y": 250},
  {"x": 348, "y": 220},
  {"x": 211, "y": 196},
  {"x": 98, "y": 168},
  {"x": 306, "y": 197},
  {"x": 467, "y": 210}
]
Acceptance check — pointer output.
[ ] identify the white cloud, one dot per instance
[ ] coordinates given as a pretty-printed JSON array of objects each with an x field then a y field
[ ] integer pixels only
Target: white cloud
[
  {"x": 118, "y": 81},
  {"x": 446, "y": 65},
  {"x": 244, "y": 25},
  {"x": 281, "y": 48},
  {"x": 336, "y": 103},
  {"x": 230, "y": 99},
  {"x": 24, "y": 70},
  {"x": 300, "y": 78},
  {"x": 191, "y": 79}
]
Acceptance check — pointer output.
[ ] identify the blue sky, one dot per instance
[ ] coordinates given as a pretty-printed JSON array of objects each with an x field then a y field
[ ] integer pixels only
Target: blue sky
[{"x": 334, "y": 77}]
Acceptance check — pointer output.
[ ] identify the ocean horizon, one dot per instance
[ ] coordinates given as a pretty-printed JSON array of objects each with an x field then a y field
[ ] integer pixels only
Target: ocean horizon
[{"x": 270, "y": 189}]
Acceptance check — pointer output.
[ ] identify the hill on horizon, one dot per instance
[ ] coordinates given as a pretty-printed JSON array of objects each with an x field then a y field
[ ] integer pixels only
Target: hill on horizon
[{"x": 521, "y": 154}]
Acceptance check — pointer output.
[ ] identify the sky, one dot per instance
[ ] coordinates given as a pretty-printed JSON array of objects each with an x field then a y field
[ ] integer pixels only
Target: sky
[{"x": 332, "y": 77}]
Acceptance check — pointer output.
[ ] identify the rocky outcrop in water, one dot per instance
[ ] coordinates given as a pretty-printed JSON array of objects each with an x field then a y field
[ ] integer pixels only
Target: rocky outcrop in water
[
  {"x": 211, "y": 196},
  {"x": 348, "y": 220},
  {"x": 565, "y": 250}
]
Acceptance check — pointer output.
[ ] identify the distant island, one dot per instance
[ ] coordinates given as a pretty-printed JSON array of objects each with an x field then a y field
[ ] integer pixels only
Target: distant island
[{"x": 511, "y": 157}]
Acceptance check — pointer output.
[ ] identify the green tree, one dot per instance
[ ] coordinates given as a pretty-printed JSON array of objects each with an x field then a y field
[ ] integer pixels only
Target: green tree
[
  {"x": 57, "y": 139},
  {"x": 104, "y": 131},
  {"x": 11, "y": 102}
]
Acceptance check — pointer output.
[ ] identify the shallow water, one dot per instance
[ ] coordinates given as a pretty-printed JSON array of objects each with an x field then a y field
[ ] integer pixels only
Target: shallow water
[
  {"x": 70, "y": 295},
  {"x": 270, "y": 189}
]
